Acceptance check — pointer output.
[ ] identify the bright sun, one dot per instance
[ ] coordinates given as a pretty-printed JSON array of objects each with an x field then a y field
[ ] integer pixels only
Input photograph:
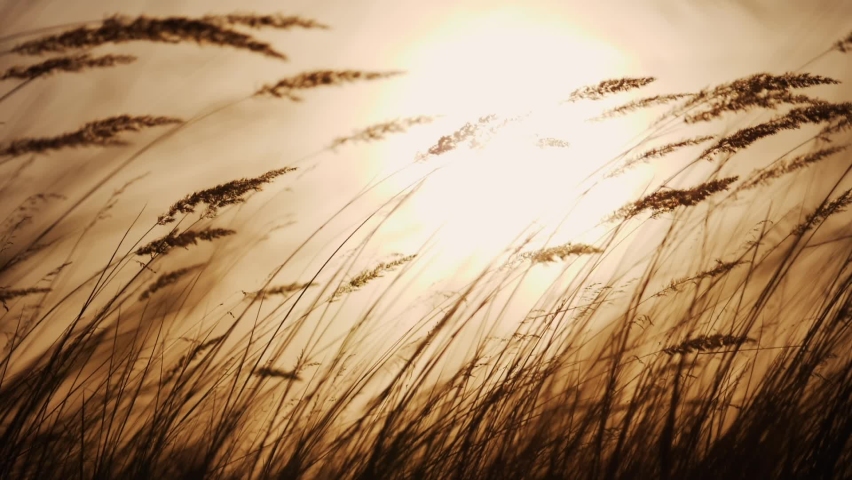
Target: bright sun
[{"x": 510, "y": 63}]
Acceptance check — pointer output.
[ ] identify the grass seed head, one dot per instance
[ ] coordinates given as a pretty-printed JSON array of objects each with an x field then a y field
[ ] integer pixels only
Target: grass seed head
[
  {"x": 100, "y": 133},
  {"x": 7, "y": 294},
  {"x": 762, "y": 177},
  {"x": 762, "y": 90},
  {"x": 664, "y": 201},
  {"x": 608, "y": 87},
  {"x": 269, "y": 372},
  {"x": 550, "y": 142},
  {"x": 380, "y": 131},
  {"x": 824, "y": 211},
  {"x": 284, "y": 289},
  {"x": 167, "y": 279},
  {"x": 275, "y": 21},
  {"x": 284, "y": 88},
  {"x": 222, "y": 195},
  {"x": 369, "y": 275},
  {"x": 794, "y": 119},
  {"x": 174, "y": 239},
  {"x": 720, "y": 269},
  {"x": 844, "y": 45},
  {"x": 118, "y": 29},
  {"x": 560, "y": 252},
  {"x": 71, "y": 63},
  {"x": 704, "y": 343},
  {"x": 657, "y": 152},
  {"x": 641, "y": 103}
]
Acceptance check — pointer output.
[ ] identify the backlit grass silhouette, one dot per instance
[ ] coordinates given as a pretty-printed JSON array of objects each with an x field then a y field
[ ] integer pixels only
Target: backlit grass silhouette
[{"x": 717, "y": 346}]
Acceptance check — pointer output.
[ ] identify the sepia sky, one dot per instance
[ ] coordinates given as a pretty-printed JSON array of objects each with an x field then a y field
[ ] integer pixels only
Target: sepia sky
[{"x": 463, "y": 59}]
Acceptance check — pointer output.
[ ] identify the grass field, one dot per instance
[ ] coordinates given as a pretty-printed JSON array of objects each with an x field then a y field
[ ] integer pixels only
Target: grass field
[{"x": 676, "y": 305}]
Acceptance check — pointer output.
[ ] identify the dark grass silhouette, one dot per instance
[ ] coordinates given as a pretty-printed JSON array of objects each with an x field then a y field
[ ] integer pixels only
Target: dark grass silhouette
[{"x": 737, "y": 368}]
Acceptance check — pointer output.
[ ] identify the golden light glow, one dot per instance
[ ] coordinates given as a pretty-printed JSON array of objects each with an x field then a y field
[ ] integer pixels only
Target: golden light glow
[
  {"x": 509, "y": 58},
  {"x": 510, "y": 63}
]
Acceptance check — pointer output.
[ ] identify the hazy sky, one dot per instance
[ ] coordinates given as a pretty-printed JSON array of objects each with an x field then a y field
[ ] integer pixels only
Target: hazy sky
[{"x": 463, "y": 59}]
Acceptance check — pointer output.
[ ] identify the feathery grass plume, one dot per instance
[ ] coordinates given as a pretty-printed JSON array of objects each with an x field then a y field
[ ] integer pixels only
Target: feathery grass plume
[
  {"x": 467, "y": 132},
  {"x": 476, "y": 135},
  {"x": 19, "y": 219},
  {"x": 794, "y": 119},
  {"x": 98, "y": 133},
  {"x": 7, "y": 294},
  {"x": 761, "y": 90},
  {"x": 26, "y": 254},
  {"x": 185, "y": 360},
  {"x": 750, "y": 91},
  {"x": 840, "y": 125},
  {"x": 658, "y": 152},
  {"x": 824, "y": 211},
  {"x": 703, "y": 343},
  {"x": 75, "y": 63},
  {"x": 380, "y": 130},
  {"x": 270, "y": 372},
  {"x": 119, "y": 29},
  {"x": 560, "y": 252},
  {"x": 221, "y": 195},
  {"x": 276, "y": 21},
  {"x": 167, "y": 279},
  {"x": 844, "y": 45},
  {"x": 112, "y": 201},
  {"x": 762, "y": 177},
  {"x": 285, "y": 289},
  {"x": 174, "y": 239},
  {"x": 317, "y": 78},
  {"x": 550, "y": 142},
  {"x": 721, "y": 268},
  {"x": 747, "y": 101},
  {"x": 664, "y": 201},
  {"x": 641, "y": 103},
  {"x": 23, "y": 214},
  {"x": 370, "y": 274},
  {"x": 608, "y": 87},
  {"x": 56, "y": 271}
]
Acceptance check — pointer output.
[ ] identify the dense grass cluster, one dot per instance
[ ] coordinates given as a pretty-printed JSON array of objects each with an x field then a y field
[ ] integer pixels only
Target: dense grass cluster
[{"x": 717, "y": 347}]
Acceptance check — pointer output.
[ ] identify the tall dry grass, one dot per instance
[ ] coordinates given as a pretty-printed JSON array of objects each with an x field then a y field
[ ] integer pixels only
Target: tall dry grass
[{"x": 722, "y": 353}]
